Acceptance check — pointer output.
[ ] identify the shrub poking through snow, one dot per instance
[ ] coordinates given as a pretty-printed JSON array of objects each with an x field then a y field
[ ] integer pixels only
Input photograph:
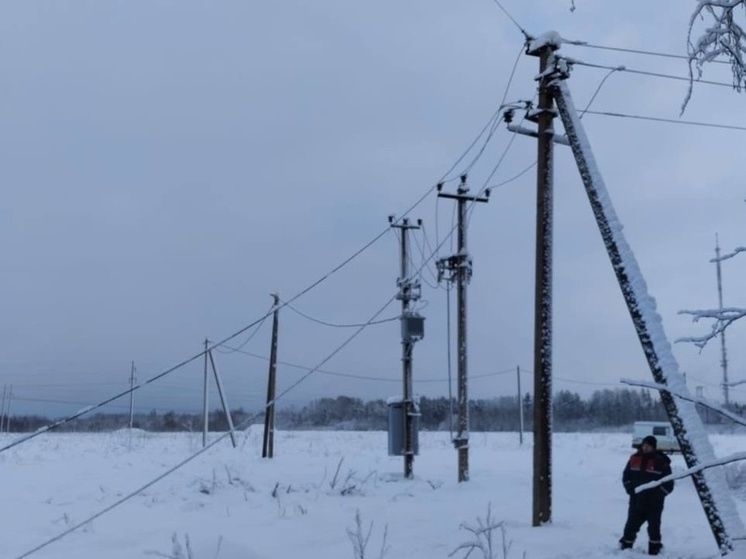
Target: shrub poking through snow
[
  {"x": 484, "y": 538},
  {"x": 360, "y": 539}
]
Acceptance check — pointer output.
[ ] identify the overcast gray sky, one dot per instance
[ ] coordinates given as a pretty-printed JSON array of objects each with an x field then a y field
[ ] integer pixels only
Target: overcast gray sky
[{"x": 167, "y": 165}]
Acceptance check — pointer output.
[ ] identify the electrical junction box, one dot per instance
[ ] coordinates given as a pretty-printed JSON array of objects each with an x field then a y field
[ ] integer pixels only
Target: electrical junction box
[
  {"x": 412, "y": 327},
  {"x": 396, "y": 428}
]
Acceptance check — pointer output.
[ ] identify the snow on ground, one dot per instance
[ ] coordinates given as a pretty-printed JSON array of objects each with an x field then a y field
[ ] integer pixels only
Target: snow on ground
[{"x": 232, "y": 504}]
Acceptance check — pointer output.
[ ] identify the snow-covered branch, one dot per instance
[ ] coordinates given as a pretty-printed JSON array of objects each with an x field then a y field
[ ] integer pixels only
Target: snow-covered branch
[
  {"x": 720, "y": 36},
  {"x": 722, "y": 317},
  {"x": 698, "y": 468},
  {"x": 714, "y": 407}
]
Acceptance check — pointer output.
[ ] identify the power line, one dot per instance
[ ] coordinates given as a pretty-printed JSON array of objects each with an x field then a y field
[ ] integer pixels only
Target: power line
[
  {"x": 598, "y": 89},
  {"x": 495, "y": 117},
  {"x": 421, "y": 247},
  {"x": 511, "y": 18},
  {"x": 336, "y": 325},
  {"x": 635, "y": 51},
  {"x": 254, "y": 333},
  {"x": 514, "y": 177},
  {"x": 365, "y": 377},
  {"x": 645, "y": 73},
  {"x": 668, "y": 120}
]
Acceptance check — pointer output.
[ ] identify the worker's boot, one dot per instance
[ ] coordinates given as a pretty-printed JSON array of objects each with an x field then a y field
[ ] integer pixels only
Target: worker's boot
[{"x": 654, "y": 548}]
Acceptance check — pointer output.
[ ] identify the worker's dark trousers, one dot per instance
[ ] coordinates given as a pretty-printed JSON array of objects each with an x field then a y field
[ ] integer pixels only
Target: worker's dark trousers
[{"x": 644, "y": 508}]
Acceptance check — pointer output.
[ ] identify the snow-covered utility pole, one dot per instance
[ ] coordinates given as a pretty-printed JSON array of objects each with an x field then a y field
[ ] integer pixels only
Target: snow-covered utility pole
[
  {"x": 696, "y": 449},
  {"x": 460, "y": 266},
  {"x": 268, "y": 441},
  {"x": 544, "y": 48},
  {"x": 723, "y": 353},
  {"x": 409, "y": 290}
]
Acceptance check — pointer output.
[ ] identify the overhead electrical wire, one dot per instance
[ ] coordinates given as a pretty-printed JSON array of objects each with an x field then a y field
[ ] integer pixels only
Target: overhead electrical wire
[
  {"x": 634, "y": 51},
  {"x": 668, "y": 120},
  {"x": 254, "y": 333},
  {"x": 496, "y": 117},
  {"x": 333, "y": 324},
  {"x": 598, "y": 90},
  {"x": 364, "y": 377},
  {"x": 421, "y": 249},
  {"x": 511, "y": 18},
  {"x": 645, "y": 72},
  {"x": 514, "y": 177}
]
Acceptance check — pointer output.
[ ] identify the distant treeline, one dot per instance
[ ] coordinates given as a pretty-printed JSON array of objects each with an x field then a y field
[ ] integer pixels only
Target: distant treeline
[{"x": 604, "y": 409}]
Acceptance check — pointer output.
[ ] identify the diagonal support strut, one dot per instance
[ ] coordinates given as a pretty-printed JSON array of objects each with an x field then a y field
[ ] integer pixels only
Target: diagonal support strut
[{"x": 711, "y": 487}]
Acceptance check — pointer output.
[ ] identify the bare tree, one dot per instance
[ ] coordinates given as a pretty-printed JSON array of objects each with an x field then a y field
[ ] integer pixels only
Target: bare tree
[{"x": 715, "y": 33}]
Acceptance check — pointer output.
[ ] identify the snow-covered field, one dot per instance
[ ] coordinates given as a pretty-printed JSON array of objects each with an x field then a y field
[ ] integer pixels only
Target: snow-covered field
[{"x": 232, "y": 504}]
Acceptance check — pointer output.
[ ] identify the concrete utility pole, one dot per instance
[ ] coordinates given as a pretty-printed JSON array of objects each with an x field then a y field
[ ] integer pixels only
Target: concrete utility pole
[
  {"x": 268, "y": 442},
  {"x": 460, "y": 266},
  {"x": 409, "y": 290},
  {"x": 542, "y": 482},
  {"x": 723, "y": 354}
]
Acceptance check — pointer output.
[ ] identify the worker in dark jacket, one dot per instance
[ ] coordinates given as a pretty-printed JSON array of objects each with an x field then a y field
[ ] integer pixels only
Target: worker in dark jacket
[{"x": 644, "y": 466}]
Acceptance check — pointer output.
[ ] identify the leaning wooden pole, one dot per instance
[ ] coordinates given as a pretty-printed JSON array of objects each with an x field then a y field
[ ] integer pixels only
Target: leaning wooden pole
[{"x": 710, "y": 485}]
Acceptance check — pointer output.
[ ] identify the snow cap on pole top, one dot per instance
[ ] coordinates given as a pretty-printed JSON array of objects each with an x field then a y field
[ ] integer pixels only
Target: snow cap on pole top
[
  {"x": 651, "y": 440},
  {"x": 550, "y": 39}
]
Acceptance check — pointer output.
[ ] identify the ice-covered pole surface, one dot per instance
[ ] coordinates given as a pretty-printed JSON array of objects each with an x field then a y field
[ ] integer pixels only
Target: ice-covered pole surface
[{"x": 711, "y": 485}]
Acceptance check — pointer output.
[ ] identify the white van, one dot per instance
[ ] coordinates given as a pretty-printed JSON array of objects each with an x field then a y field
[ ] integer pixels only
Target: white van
[{"x": 662, "y": 431}]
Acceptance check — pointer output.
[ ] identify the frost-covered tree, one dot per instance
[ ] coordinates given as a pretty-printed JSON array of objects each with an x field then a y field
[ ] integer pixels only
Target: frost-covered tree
[
  {"x": 721, "y": 318},
  {"x": 716, "y": 32}
]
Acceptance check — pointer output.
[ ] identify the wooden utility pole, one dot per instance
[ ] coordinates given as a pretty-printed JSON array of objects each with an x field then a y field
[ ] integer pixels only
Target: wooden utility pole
[
  {"x": 723, "y": 353},
  {"x": 409, "y": 290},
  {"x": 268, "y": 443},
  {"x": 542, "y": 481},
  {"x": 460, "y": 267},
  {"x": 205, "y": 411}
]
